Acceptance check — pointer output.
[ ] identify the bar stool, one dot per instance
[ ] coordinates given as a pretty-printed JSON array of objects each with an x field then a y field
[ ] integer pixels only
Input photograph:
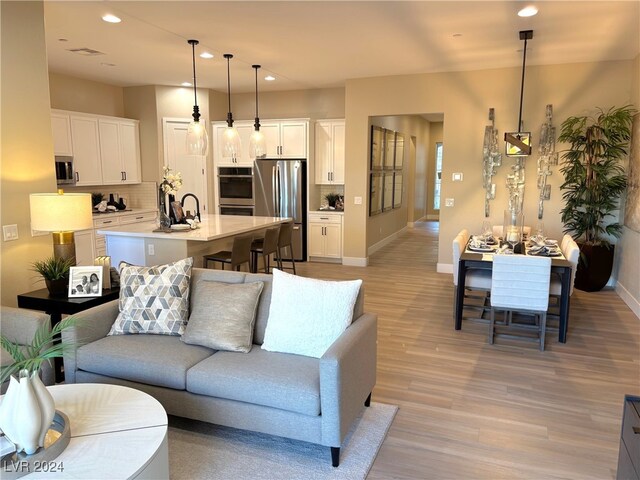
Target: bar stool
[
  {"x": 240, "y": 253},
  {"x": 284, "y": 240},
  {"x": 265, "y": 247}
]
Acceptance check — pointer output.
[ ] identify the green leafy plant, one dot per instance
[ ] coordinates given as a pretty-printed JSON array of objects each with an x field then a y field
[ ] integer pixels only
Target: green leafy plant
[
  {"x": 594, "y": 178},
  {"x": 53, "y": 268},
  {"x": 96, "y": 198},
  {"x": 332, "y": 198},
  {"x": 42, "y": 349}
]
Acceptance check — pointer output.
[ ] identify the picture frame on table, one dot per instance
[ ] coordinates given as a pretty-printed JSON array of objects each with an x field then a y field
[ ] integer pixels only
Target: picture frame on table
[{"x": 85, "y": 281}]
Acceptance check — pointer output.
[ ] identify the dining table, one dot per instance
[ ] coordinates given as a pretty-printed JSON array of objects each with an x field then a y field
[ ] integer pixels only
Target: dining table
[{"x": 470, "y": 260}]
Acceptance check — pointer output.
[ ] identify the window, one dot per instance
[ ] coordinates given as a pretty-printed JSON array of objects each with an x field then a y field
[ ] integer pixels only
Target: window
[{"x": 438, "y": 177}]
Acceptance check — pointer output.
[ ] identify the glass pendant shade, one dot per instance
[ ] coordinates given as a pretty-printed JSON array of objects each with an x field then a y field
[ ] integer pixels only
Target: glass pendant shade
[
  {"x": 257, "y": 145},
  {"x": 231, "y": 144},
  {"x": 197, "y": 138}
]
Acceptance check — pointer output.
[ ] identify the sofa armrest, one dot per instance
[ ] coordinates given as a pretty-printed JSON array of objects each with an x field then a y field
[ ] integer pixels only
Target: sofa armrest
[
  {"x": 92, "y": 324},
  {"x": 20, "y": 325},
  {"x": 347, "y": 376}
]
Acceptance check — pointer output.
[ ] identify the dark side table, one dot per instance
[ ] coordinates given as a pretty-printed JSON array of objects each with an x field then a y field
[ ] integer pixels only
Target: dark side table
[{"x": 55, "y": 307}]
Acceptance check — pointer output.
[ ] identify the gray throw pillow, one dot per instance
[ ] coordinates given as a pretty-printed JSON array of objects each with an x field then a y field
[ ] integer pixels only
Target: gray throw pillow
[{"x": 222, "y": 315}]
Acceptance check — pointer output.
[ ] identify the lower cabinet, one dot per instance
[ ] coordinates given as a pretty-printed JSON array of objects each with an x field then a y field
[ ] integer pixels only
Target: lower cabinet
[
  {"x": 325, "y": 236},
  {"x": 629, "y": 453}
]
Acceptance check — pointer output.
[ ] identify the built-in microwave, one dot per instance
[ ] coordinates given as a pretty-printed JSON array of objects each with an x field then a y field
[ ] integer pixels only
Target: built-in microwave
[
  {"x": 235, "y": 186},
  {"x": 65, "y": 175}
]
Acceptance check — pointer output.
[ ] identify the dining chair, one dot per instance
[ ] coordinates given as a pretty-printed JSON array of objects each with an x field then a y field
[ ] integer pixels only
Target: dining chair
[
  {"x": 475, "y": 280},
  {"x": 571, "y": 252},
  {"x": 520, "y": 283},
  {"x": 240, "y": 253},
  {"x": 563, "y": 242},
  {"x": 285, "y": 240},
  {"x": 265, "y": 246}
]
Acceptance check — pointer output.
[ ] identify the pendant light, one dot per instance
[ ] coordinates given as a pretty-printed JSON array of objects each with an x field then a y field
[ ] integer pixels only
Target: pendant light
[
  {"x": 231, "y": 145},
  {"x": 257, "y": 144},
  {"x": 518, "y": 144},
  {"x": 197, "y": 141}
]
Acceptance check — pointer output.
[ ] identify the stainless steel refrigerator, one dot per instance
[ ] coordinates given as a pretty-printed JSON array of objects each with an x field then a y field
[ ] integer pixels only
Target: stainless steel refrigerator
[{"x": 280, "y": 189}]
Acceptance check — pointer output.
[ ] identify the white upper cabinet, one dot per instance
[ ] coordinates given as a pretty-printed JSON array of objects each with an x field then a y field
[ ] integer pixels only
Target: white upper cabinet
[
  {"x": 61, "y": 130},
  {"x": 86, "y": 150},
  {"x": 106, "y": 150},
  {"x": 244, "y": 129},
  {"x": 329, "y": 152},
  {"x": 285, "y": 138}
]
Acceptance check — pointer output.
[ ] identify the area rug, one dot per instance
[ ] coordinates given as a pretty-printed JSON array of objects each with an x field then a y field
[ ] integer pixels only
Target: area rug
[{"x": 199, "y": 450}]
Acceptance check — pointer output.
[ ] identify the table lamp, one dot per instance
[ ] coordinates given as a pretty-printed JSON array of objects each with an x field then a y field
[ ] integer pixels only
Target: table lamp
[{"x": 62, "y": 214}]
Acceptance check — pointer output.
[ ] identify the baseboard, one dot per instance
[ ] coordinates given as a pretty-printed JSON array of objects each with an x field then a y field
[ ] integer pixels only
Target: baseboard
[
  {"x": 413, "y": 224},
  {"x": 433, "y": 216},
  {"x": 444, "y": 268},
  {"x": 325, "y": 260},
  {"x": 626, "y": 296},
  {"x": 385, "y": 241},
  {"x": 355, "y": 261}
]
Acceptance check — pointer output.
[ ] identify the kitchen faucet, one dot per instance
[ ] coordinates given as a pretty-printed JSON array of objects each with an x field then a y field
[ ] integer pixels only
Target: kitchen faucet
[{"x": 197, "y": 213}]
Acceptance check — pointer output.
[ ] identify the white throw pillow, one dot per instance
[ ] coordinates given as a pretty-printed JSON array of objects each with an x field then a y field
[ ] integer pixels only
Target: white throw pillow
[{"x": 307, "y": 315}]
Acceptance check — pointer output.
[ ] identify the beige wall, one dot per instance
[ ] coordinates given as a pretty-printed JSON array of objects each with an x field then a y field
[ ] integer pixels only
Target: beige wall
[
  {"x": 27, "y": 145},
  {"x": 140, "y": 103},
  {"x": 465, "y": 98},
  {"x": 628, "y": 249},
  {"x": 436, "y": 134},
  {"x": 79, "y": 95}
]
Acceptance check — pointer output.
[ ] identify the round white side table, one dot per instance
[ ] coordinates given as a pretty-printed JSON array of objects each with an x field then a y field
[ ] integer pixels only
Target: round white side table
[{"x": 116, "y": 433}]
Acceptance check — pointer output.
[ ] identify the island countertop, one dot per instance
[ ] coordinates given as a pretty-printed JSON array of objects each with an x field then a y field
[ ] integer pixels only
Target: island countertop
[{"x": 212, "y": 227}]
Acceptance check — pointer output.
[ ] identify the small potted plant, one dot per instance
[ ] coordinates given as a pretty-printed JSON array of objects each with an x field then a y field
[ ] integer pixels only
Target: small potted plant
[
  {"x": 331, "y": 199},
  {"x": 55, "y": 272},
  {"x": 594, "y": 180}
]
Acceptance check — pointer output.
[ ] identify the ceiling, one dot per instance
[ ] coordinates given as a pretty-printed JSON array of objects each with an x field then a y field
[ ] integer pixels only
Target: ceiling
[{"x": 321, "y": 44}]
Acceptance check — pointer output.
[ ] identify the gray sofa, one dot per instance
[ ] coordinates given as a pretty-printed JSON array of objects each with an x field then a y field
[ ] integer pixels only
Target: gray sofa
[
  {"x": 303, "y": 398},
  {"x": 20, "y": 326}
]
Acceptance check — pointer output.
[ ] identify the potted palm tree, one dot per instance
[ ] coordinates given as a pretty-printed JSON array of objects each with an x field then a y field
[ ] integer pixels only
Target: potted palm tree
[{"x": 594, "y": 180}]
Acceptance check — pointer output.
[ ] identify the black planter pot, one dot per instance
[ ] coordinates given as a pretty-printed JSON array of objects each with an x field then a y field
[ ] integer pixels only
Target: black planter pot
[
  {"x": 57, "y": 288},
  {"x": 594, "y": 267}
]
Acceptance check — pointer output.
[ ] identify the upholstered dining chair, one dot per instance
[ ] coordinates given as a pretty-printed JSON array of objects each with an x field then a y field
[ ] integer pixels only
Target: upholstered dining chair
[
  {"x": 520, "y": 283},
  {"x": 240, "y": 253},
  {"x": 285, "y": 240},
  {"x": 571, "y": 252},
  {"x": 475, "y": 280},
  {"x": 265, "y": 246}
]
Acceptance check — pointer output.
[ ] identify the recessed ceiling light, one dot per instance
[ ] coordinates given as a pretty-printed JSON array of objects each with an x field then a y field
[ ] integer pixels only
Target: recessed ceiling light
[
  {"x": 457, "y": 34},
  {"x": 63, "y": 40},
  {"x": 111, "y": 18},
  {"x": 206, "y": 55},
  {"x": 269, "y": 78},
  {"x": 105, "y": 64},
  {"x": 528, "y": 11},
  {"x": 186, "y": 84}
]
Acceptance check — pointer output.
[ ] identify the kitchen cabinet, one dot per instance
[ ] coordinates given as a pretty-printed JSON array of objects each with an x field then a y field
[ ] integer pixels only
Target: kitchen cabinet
[
  {"x": 85, "y": 253},
  {"x": 329, "y": 152},
  {"x": 86, "y": 150},
  {"x": 113, "y": 219},
  {"x": 325, "y": 236},
  {"x": 119, "y": 151},
  {"x": 61, "y": 131},
  {"x": 285, "y": 138},
  {"x": 244, "y": 128},
  {"x": 629, "y": 453}
]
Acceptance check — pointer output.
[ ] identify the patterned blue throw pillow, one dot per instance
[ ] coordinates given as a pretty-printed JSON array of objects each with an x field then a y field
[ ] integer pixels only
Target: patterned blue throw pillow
[{"x": 154, "y": 299}]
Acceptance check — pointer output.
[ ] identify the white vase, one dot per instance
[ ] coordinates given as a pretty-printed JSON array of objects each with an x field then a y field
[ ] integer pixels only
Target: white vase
[
  {"x": 27, "y": 415},
  {"x": 47, "y": 406},
  {"x": 7, "y": 411}
]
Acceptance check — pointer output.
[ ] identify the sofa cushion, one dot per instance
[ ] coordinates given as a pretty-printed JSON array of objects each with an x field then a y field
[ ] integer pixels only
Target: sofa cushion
[
  {"x": 222, "y": 316},
  {"x": 287, "y": 382},
  {"x": 152, "y": 359},
  {"x": 154, "y": 299},
  {"x": 308, "y": 315}
]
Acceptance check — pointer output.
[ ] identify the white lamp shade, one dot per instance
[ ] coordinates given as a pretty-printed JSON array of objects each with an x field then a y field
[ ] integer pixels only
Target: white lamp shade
[
  {"x": 257, "y": 145},
  {"x": 197, "y": 139},
  {"x": 66, "y": 212},
  {"x": 231, "y": 144}
]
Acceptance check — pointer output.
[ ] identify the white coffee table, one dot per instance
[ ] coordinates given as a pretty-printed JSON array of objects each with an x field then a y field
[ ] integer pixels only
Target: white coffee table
[{"x": 116, "y": 432}]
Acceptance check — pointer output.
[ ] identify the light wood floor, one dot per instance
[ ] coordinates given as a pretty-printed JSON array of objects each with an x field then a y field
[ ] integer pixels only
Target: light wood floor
[{"x": 469, "y": 410}]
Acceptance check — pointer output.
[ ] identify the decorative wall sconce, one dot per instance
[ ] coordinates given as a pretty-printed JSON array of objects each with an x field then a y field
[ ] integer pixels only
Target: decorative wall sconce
[
  {"x": 491, "y": 159},
  {"x": 547, "y": 159}
]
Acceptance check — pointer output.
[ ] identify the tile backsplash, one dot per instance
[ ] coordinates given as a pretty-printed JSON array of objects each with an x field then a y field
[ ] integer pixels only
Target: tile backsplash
[
  {"x": 141, "y": 195},
  {"x": 326, "y": 189}
]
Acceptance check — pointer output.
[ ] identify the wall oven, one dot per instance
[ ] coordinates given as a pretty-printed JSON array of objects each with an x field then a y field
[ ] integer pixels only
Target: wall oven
[
  {"x": 235, "y": 186},
  {"x": 244, "y": 210}
]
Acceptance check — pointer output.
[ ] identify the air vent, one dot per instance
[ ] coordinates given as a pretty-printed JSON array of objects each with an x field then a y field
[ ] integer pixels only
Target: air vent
[{"x": 87, "y": 52}]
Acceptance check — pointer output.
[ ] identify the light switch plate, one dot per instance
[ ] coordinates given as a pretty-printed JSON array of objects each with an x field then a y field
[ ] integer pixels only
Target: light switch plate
[
  {"x": 448, "y": 202},
  {"x": 10, "y": 232},
  {"x": 457, "y": 176},
  {"x": 357, "y": 200}
]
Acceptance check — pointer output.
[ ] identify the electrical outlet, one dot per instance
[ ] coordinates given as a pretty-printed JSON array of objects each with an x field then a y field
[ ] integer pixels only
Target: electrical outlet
[
  {"x": 448, "y": 202},
  {"x": 10, "y": 232},
  {"x": 457, "y": 177},
  {"x": 357, "y": 200},
  {"x": 151, "y": 249}
]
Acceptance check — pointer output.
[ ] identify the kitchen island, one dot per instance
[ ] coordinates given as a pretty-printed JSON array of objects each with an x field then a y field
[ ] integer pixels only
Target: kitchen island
[{"x": 138, "y": 244}]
